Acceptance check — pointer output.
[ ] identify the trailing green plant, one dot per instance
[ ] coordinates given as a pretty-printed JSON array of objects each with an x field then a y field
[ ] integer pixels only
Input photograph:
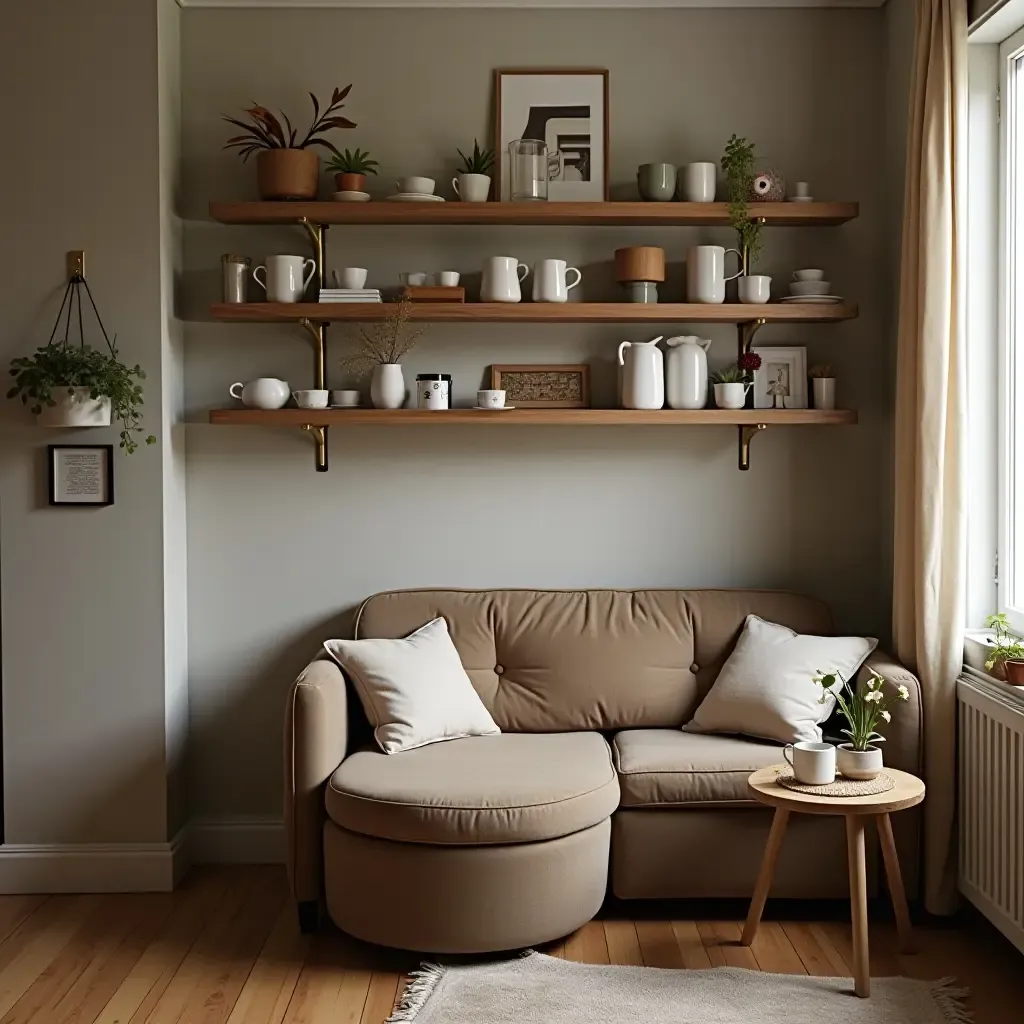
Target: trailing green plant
[
  {"x": 265, "y": 131},
  {"x": 353, "y": 163},
  {"x": 384, "y": 342},
  {"x": 1008, "y": 646},
  {"x": 863, "y": 709},
  {"x": 740, "y": 372},
  {"x": 822, "y": 370},
  {"x": 738, "y": 168},
  {"x": 480, "y": 162}
]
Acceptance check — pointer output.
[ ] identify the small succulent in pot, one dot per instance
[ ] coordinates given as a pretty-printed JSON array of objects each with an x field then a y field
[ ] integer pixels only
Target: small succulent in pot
[
  {"x": 350, "y": 170},
  {"x": 473, "y": 184},
  {"x": 1006, "y": 661},
  {"x": 733, "y": 381},
  {"x": 286, "y": 167},
  {"x": 480, "y": 161}
]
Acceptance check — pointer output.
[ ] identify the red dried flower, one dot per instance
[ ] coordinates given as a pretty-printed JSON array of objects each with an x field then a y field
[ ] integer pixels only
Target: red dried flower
[{"x": 749, "y": 362}]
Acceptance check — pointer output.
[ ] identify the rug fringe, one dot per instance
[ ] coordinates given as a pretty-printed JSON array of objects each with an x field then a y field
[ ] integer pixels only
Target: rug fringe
[
  {"x": 419, "y": 987},
  {"x": 950, "y": 999}
]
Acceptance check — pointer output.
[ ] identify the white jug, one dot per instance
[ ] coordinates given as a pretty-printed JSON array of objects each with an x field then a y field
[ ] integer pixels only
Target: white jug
[
  {"x": 643, "y": 374},
  {"x": 502, "y": 278},
  {"x": 686, "y": 372},
  {"x": 262, "y": 393}
]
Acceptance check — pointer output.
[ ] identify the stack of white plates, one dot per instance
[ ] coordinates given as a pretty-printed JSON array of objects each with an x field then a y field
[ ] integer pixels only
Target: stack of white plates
[{"x": 350, "y": 295}]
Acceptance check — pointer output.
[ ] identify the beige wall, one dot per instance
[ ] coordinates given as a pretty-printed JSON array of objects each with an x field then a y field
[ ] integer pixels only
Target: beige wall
[{"x": 277, "y": 553}]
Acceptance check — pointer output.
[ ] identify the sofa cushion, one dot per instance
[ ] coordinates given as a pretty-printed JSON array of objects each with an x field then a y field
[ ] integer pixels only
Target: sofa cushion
[
  {"x": 512, "y": 788},
  {"x": 668, "y": 768}
]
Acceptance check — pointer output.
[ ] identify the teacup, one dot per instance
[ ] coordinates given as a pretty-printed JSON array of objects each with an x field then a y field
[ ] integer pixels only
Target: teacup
[
  {"x": 808, "y": 275},
  {"x": 417, "y": 184},
  {"x": 490, "y": 399},
  {"x": 311, "y": 399},
  {"x": 414, "y": 278},
  {"x": 755, "y": 288},
  {"x": 448, "y": 278},
  {"x": 814, "y": 764},
  {"x": 353, "y": 277},
  {"x": 346, "y": 398}
]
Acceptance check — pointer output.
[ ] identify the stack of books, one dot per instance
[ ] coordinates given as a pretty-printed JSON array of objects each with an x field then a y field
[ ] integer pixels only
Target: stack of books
[{"x": 350, "y": 295}]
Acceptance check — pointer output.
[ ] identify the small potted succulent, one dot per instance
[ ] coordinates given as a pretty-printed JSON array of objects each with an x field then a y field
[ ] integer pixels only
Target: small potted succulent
[
  {"x": 739, "y": 170},
  {"x": 823, "y": 381},
  {"x": 473, "y": 184},
  {"x": 863, "y": 709},
  {"x": 1007, "y": 658},
  {"x": 350, "y": 170},
  {"x": 286, "y": 166},
  {"x": 733, "y": 382}
]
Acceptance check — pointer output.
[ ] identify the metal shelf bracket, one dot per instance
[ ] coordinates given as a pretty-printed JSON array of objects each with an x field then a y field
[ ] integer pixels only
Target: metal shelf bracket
[
  {"x": 319, "y": 435},
  {"x": 747, "y": 434},
  {"x": 316, "y": 234},
  {"x": 746, "y": 333}
]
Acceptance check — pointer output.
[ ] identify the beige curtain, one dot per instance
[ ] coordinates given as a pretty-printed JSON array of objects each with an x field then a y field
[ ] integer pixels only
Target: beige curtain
[{"x": 930, "y": 509}]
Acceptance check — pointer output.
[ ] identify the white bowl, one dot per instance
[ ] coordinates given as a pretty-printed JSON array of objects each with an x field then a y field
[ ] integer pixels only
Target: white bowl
[
  {"x": 809, "y": 275},
  {"x": 810, "y": 287}
]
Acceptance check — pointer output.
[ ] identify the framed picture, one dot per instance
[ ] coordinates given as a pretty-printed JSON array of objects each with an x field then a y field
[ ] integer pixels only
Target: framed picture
[
  {"x": 783, "y": 374},
  {"x": 544, "y": 385},
  {"x": 81, "y": 474},
  {"x": 568, "y": 109}
]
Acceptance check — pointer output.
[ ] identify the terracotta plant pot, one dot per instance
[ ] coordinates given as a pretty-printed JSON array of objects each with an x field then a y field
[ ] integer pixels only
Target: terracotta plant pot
[
  {"x": 1014, "y": 671},
  {"x": 287, "y": 173},
  {"x": 350, "y": 182}
]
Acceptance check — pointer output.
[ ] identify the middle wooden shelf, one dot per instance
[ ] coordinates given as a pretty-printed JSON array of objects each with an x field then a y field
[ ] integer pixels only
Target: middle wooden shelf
[{"x": 536, "y": 312}]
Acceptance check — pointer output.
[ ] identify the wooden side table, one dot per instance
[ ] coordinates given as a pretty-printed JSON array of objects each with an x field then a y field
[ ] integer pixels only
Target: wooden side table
[{"x": 858, "y": 810}]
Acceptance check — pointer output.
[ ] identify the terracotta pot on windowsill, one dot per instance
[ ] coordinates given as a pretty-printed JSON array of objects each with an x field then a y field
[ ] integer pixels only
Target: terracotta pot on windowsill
[
  {"x": 287, "y": 174},
  {"x": 350, "y": 182},
  {"x": 1014, "y": 668}
]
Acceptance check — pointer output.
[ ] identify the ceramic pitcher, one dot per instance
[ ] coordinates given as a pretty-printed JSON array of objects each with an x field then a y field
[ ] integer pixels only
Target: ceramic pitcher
[
  {"x": 502, "y": 275},
  {"x": 686, "y": 372},
  {"x": 643, "y": 374}
]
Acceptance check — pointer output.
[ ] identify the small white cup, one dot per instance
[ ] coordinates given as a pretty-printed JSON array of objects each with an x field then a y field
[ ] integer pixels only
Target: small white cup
[
  {"x": 813, "y": 763},
  {"x": 699, "y": 182},
  {"x": 802, "y": 190},
  {"x": 353, "y": 277},
  {"x": 346, "y": 398},
  {"x": 312, "y": 399},
  {"x": 414, "y": 278},
  {"x": 448, "y": 278},
  {"x": 488, "y": 399},
  {"x": 755, "y": 288},
  {"x": 808, "y": 275},
  {"x": 416, "y": 183}
]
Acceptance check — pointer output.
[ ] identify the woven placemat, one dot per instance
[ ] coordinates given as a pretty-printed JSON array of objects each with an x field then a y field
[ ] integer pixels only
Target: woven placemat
[{"x": 881, "y": 783}]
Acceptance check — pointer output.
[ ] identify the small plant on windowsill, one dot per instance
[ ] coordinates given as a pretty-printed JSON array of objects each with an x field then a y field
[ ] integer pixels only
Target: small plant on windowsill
[{"x": 1006, "y": 660}]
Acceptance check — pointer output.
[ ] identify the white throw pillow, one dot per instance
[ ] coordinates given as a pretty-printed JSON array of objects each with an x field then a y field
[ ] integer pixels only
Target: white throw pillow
[
  {"x": 414, "y": 691},
  {"x": 766, "y": 688}
]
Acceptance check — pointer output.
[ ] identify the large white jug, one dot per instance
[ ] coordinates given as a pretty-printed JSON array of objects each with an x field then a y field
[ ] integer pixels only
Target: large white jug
[
  {"x": 643, "y": 374},
  {"x": 686, "y": 372}
]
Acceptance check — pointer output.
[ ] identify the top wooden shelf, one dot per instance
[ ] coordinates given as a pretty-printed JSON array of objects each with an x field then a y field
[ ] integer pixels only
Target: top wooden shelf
[{"x": 597, "y": 214}]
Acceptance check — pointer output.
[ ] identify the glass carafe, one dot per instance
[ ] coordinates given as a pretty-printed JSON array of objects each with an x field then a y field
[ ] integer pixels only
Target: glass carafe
[{"x": 532, "y": 166}]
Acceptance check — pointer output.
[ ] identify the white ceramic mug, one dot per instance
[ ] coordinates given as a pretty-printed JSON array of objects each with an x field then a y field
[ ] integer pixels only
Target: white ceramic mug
[
  {"x": 490, "y": 399},
  {"x": 705, "y": 273},
  {"x": 472, "y": 188},
  {"x": 549, "y": 281},
  {"x": 501, "y": 280},
  {"x": 755, "y": 288},
  {"x": 353, "y": 277},
  {"x": 346, "y": 398},
  {"x": 284, "y": 281},
  {"x": 808, "y": 275},
  {"x": 448, "y": 278},
  {"x": 261, "y": 393},
  {"x": 699, "y": 182},
  {"x": 416, "y": 184},
  {"x": 415, "y": 278},
  {"x": 311, "y": 399},
  {"x": 802, "y": 190},
  {"x": 813, "y": 763}
]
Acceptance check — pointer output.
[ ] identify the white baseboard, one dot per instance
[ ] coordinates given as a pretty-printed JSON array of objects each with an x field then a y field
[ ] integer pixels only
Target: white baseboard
[{"x": 236, "y": 841}]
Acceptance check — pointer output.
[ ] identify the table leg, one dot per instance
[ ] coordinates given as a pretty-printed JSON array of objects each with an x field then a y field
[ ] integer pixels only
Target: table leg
[
  {"x": 858, "y": 903},
  {"x": 895, "y": 878},
  {"x": 764, "y": 878}
]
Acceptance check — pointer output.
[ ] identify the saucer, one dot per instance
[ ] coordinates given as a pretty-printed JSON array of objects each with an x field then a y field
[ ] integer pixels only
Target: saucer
[
  {"x": 344, "y": 407},
  {"x": 801, "y": 199},
  {"x": 351, "y": 197},
  {"x": 826, "y": 300},
  {"x": 490, "y": 408},
  {"x": 415, "y": 197}
]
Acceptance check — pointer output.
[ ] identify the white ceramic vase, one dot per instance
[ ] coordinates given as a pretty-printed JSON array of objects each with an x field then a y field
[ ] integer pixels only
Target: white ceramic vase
[
  {"x": 858, "y": 764},
  {"x": 731, "y": 396},
  {"x": 642, "y": 374},
  {"x": 387, "y": 386},
  {"x": 75, "y": 410},
  {"x": 824, "y": 392},
  {"x": 686, "y": 373}
]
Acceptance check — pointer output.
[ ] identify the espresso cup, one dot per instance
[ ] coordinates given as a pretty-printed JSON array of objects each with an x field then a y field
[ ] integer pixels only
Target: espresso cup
[
  {"x": 754, "y": 288},
  {"x": 448, "y": 278},
  {"x": 814, "y": 764},
  {"x": 346, "y": 398},
  {"x": 416, "y": 184},
  {"x": 488, "y": 399},
  {"x": 283, "y": 279},
  {"x": 353, "y": 277},
  {"x": 808, "y": 275},
  {"x": 414, "y": 278},
  {"x": 699, "y": 182},
  {"x": 312, "y": 399}
]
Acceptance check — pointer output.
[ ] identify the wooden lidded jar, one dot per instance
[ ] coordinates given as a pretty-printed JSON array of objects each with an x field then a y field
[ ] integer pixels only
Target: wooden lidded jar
[{"x": 640, "y": 263}]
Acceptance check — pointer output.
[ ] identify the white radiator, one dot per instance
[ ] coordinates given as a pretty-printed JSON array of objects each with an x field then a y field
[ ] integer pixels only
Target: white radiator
[{"x": 991, "y": 744}]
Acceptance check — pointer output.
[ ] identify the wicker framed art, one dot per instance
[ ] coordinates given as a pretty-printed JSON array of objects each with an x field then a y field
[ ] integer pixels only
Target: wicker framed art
[{"x": 543, "y": 385}]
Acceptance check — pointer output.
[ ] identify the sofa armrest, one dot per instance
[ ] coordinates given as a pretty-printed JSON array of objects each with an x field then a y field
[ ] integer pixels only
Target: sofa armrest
[
  {"x": 904, "y": 734},
  {"x": 315, "y": 743}
]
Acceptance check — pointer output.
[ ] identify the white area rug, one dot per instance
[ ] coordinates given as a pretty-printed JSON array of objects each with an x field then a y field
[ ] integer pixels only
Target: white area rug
[{"x": 539, "y": 989}]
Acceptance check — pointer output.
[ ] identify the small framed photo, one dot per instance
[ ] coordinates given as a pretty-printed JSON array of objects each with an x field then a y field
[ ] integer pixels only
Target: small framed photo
[
  {"x": 543, "y": 385},
  {"x": 81, "y": 474},
  {"x": 781, "y": 383},
  {"x": 566, "y": 108}
]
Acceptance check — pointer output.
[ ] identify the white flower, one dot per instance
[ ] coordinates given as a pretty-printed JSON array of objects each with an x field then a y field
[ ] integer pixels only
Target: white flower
[
  {"x": 903, "y": 692},
  {"x": 875, "y": 682},
  {"x": 886, "y": 717},
  {"x": 873, "y": 696}
]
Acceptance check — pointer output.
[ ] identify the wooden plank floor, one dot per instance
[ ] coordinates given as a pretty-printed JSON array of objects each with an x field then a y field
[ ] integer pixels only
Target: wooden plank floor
[{"x": 225, "y": 949}]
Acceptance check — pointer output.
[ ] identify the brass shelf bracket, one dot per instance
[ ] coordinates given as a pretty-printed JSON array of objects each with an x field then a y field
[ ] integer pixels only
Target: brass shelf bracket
[
  {"x": 317, "y": 235},
  {"x": 320, "y": 437},
  {"x": 747, "y": 434},
  {"x": 746, "y": 333},
  {"x": 318, "y": 332}
]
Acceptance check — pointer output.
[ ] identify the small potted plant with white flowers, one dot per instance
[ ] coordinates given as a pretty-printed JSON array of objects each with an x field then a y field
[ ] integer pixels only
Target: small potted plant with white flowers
[{"x": 863, "y": 709}]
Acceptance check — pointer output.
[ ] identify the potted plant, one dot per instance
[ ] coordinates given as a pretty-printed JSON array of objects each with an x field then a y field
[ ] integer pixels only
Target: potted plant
[
  {"x": 738, "y": 168},
  {"x": 473, "y": 184},
  {"x": 350, "y": 170},
  {"x": 286, "y": 168},
  {"x": 863, "y": 710},
  {"x": 1007, "y": 658},
  {"x": 379, "y": 348},
  {"x": 823, "y": 381},
  {"x": 733, "y": 382}
]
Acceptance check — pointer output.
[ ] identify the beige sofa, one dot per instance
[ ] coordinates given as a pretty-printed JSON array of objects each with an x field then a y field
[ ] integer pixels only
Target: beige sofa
[{"x": 501, "y": 842}]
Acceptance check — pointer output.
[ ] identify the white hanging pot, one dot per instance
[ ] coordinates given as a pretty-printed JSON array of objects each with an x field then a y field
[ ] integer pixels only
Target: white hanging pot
[
  {"x": 76, "y": 409},
  {"x": 858, "y": 764},
  {"x": 387, "y": 386}
]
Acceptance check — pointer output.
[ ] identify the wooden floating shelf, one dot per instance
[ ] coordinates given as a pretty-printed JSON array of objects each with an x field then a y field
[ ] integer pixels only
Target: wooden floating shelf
[
  {"x": 533, "y": 417},
  {"x": 606, "y": 214},
  {"x": 535, "y": 312}
]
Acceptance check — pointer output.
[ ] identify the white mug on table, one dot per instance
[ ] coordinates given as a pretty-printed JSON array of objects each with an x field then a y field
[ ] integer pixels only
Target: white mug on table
[
  {"x": 813, "y": 763},
  {"x": 502, "y": 278},
  {"x": 549, "y": 281},
  {"x": 705, "y": 273},
  {"x": 284, "y": 280}
]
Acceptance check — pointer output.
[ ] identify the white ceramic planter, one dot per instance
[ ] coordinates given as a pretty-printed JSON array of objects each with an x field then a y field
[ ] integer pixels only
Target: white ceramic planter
[
  {"x": 731, "y": 396},
  {"x": 387, "y": 386},
  {"x": 858, "y": 764},
  {"x": 75, "y": 410},
  {"x": 686, "y": 372},
  {"x": 824, "y": 392}
]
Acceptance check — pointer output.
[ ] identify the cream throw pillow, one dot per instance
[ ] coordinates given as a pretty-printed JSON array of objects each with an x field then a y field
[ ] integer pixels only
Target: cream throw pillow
[
  {"x": 766, "y": 687},
  {"x": 414, "y": 691}
]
